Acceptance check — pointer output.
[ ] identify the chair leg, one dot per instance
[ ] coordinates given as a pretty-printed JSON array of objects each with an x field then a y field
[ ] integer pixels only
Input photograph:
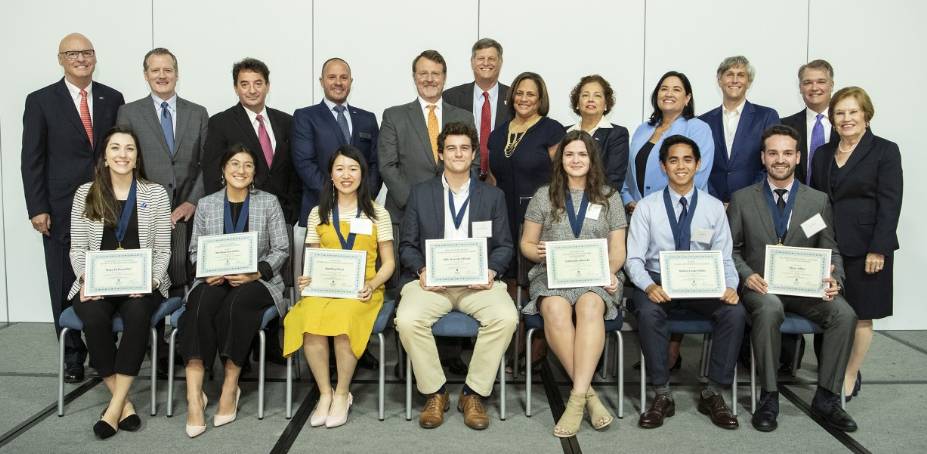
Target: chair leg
[
  {"x": 797, "y": 358},
  {"x": 843, "y": 399},
  {"x": 289, "y": 385},
  {"x": 262, "y": 337},
  {"x": 734, "y": 392},
  {"x": 382, "y": 381},
  {"x": 64, "y": 331},
  {"x": 154, "y": 371},
  {"x": 604, "y": 359},
  {"x": 170, "y": 374},
  {"x": 502, "y": 388},
  {"x": 408, "y": 388},
  {"x": 752, "y": 379},
  {"x": 528, "y": 372},
  {"x": 643, "y": 383},
  {"x": 620, "y": 374},
  {"x": 706, "y": 348}
]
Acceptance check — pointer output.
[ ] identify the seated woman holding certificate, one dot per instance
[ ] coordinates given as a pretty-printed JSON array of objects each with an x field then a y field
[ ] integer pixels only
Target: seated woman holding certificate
[
  {"x": 345, "y": 219},
  {"x": 223, "y": 312},
  {"x": 119, "y": 209},
  {"x": 577, "y": 205}
]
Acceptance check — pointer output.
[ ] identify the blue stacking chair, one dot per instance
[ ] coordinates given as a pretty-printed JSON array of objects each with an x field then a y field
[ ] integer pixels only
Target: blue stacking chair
[
  {"x": 70, "y": 321},
  {"x": 792, "y": 324},
  {"x": 454, "y": 324}
]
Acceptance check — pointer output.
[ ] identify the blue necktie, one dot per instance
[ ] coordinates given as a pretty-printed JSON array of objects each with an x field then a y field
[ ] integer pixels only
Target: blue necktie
[
  {"x": 817, "y": 139},
  {"x": 685, "y": 210},
  {"x": 167, "y": 126},
  {"x": 343, "y": 123}
]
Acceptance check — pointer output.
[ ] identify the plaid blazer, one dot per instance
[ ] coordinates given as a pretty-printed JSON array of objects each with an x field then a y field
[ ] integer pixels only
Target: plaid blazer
[{"x": 264, "y": 217}]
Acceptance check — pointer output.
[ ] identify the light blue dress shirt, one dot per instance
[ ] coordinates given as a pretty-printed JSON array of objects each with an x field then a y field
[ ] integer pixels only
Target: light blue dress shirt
[{"x": 347, "y": 113}]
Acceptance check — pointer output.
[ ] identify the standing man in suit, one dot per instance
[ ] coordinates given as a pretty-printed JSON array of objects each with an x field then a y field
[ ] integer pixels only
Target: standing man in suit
[
  {"x": 816, "y": 84},
  {"x": 62, "y": 127},
  {"x": 171, "y": 133},
  {"x": 777, "y": 211},
  {"x": 320, "y": 129},
  {"x": 736, "y": 126},
  {"x": 454, "y": 205},
  {"x": 485, "y": 96},
  {"x": 260, "y": 128}
]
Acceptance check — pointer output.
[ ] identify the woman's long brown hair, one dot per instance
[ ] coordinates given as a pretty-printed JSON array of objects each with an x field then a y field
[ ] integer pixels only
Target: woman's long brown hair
[
  {"x": 100, "y": 204},
  {"x": 595, "y": 179}
]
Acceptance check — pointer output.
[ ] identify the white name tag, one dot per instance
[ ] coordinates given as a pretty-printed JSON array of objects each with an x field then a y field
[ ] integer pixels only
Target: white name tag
[
  {"x": 813, "y": 225},
  {"x": 592, "y": 211},
  {"x": 482, "y": 229},
  {"x": 702, "y": 236},
  {"x": 361, "y": 226}
]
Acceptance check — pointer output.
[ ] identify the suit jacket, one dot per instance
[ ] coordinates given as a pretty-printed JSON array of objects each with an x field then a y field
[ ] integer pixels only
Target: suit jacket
[
  {"x": 867, "y": 199},
  {"x": 404, "y": 149},
  {"x": 752, "y": 228},
  {"x": 234, "y": 126},
  {"x": 264, "y": 217},
  {"x": 180, "y": 173},
  {"x": 154, "y": 232},
  {"x": 744, "y": 166},
  {"x": 424, "y": 220},
  {"x": 57, "y": 157},
  {"x": 316, "y": 136},
  {"x": 798, "y": 121},
  {"x": 462, "y": 96}
]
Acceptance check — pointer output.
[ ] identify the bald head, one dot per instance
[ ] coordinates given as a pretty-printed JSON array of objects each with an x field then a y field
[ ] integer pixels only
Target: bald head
[{"x": 77, "y": 57}]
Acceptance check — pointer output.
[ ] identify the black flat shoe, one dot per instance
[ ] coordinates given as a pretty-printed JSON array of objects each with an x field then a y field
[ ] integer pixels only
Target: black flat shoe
[
  {"x": 74, "y": 373},
  {"x": 103, "y": 430},
  {"x": 130, "y": 423}
]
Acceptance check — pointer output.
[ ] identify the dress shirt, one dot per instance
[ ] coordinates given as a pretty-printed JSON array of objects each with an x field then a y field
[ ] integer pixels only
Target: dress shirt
[
  {"x": 75, "y": 96},
  {"x": 731, "y": 120},
  {"x": 650, "y": 233},
  {"x": 810, "y": 117},
  {"x": 171, "y": 106},
  {"x": 460, "y": 195},
  {"x": 254, "y": 123},
  {"x": 785, "y": 197},
  {"x": 603, "y": 124},
  {"x": 478, "y": 105},
  {"x": 438, "y": 111},
  {"x": 347, "y": 114}
]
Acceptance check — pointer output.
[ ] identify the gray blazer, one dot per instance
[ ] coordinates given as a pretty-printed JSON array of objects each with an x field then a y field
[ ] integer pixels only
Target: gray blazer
[
  {"x": 752, "y": 228},
  {"x": 404, "y": 150},
  {"x": 180, "y": 172},
  {"x": 264, "y": 217}
]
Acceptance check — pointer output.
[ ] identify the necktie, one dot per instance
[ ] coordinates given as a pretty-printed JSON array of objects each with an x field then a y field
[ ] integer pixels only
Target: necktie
[
  {"x": 343, "y": 123},
  {"x": 780, "y": 200},
  {"x": 485, "y": 122},
  {"x": 264, "y": 138},
  {"x": 167, "y": 126},
  {"x": 817, "y": 139},
  {"x": 685, "y": 209},
  {"x": 433, "y": 130},
  {"x": 85, "y": 116}
]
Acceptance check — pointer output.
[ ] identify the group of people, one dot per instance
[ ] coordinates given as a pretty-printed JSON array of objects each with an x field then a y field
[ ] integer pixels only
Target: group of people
[{"x": 480, "y": 160}]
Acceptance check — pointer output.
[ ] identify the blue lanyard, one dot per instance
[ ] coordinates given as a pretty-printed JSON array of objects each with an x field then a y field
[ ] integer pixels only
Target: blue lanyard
[
  {"x": 682, "y": 229},
  {"x": 349, "y": 243},
  {"x": 123, "y": 224},
  {"x": 781, "y": 220},
  {"x": 236, "y": 227},
  {"x": 576, "y": 219},
  {"x": 455, "y": 215}
]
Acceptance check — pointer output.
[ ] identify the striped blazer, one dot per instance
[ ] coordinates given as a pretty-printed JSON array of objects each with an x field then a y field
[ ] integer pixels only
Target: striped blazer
[
  {"x": 154, "y": 232},
  {"x": 264, "y": 217}
]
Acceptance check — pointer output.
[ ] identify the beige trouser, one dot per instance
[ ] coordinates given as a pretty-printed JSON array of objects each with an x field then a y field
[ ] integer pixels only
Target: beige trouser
[{"x": 420, "y": 309}]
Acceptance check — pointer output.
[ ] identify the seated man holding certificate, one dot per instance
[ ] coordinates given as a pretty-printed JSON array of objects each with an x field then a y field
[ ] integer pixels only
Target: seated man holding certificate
[
  {"x": 345, "y": 297},
  {"x": 679, "y": 219},
  {"x": 119, "y": 211},
  {"x": 781, "y": 211},
  {"x": 577, "y": 205},
  {"x": 224, "y": 310},
  {"x": 455, "y": 242}
]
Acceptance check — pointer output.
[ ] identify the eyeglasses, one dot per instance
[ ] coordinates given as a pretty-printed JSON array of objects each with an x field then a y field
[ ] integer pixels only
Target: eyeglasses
[{"x": 74, "y": 54}]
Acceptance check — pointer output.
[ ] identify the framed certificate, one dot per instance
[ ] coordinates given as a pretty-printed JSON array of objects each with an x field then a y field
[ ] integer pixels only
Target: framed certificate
[
  {"x": 222, "y": 255},
  {"x": 335, "y": 273},
  {"x": 692, "y": 274},
  {"x": 577, "y": 263},
  {"x": 797, "y": 271},
  {"x": 117, "y": 272},
  {"x": 455, "y": 263}
]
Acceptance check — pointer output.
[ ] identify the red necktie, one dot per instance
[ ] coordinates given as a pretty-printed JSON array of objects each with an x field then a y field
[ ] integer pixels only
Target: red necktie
[
  {"x": 264, "y": 138},
  {"x": 85, "y": 116},
  {"x": 485, "y": 121}
]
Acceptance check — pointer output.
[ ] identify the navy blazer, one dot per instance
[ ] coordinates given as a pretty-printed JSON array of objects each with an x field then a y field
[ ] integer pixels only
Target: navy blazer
[
  {"x": 867, "y": 199},
  {"x": 56, "y": 156},
  {"x": 316, "y": 136},
  {"x": 424, "y": 220},
  {"x": 799, "y": 122},
  {"x": 744, "y": 166}
]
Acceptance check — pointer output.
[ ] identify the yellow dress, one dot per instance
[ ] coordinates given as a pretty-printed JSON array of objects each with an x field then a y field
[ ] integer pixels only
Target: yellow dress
[{"x": 336, "y": 316}]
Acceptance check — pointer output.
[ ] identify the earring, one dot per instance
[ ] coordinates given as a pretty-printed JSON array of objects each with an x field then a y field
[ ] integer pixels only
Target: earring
[{"x": 222, "y": 179}]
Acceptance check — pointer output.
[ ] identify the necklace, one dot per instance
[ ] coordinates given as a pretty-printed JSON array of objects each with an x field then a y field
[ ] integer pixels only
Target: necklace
[{"x": 517, "y": 132}]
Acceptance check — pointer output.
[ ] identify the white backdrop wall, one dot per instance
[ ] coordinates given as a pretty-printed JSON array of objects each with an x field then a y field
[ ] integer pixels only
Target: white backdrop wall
[{"x": 631, "y": 43}]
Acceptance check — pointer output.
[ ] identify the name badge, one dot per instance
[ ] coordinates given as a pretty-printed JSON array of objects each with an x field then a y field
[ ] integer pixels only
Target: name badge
[
  {"x": 813, "y": 225},
  {"x": 482, "y": 229},
  {"x": 592, "y": 212},
  {"x": 702, "y": 235},
  {"x": 361, "y": 226}
]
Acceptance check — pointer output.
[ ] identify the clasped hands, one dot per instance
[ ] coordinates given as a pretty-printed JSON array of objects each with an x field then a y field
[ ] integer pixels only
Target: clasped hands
[
  {"x": 234, "y": 280},
  {"x": 363, "y": 295}
]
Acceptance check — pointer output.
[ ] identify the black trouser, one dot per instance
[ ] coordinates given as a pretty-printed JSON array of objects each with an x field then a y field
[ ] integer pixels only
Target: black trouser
[
  {"x": 222, "y": 318},
  {"x": 60, "y": 278},
  {"x": 97, "y": 316}
]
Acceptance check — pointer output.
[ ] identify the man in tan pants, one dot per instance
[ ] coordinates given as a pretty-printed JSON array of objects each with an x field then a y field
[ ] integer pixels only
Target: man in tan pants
[{"x": 455, "y": 206}]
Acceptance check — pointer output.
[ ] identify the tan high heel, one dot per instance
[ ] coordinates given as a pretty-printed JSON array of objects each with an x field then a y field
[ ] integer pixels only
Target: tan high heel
[
  {"x": 572, "y": 416},
  {"x": 599, "y": 416}
]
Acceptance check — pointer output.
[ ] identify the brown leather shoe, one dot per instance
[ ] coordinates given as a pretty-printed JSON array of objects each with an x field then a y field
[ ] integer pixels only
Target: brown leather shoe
[
  {"x": 663, "y": 406},
  {"x": 471, "y": 405},
  {"x": 713, "y": 405},
  {"x": 433, "y": 413}
]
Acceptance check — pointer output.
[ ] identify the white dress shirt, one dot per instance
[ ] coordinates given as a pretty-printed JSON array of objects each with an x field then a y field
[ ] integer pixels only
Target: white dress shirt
[
  {"x": 171, "y": 107},
  {"x": 460, "y": 195},
  {"x": 438, "y": 111},
  {"x": 75, "y": 96},
  {"x": 478, "y": 106},
  {"x": 270, "y": 131},
  {"x": 603, "y": 124},
  {"x": 731, "y": 120},
  {"x": 347, "y": 113},
  {"x": 810, "y": 117}
]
